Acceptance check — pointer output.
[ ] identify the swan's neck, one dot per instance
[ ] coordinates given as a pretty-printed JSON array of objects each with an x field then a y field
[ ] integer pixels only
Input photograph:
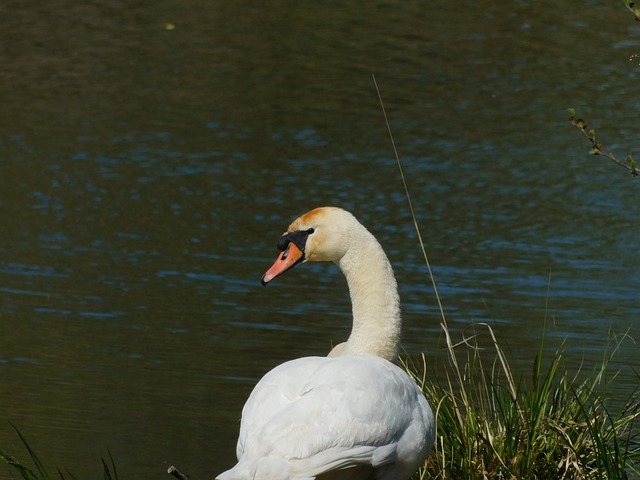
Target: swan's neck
[{"x": 374, "y": 297}]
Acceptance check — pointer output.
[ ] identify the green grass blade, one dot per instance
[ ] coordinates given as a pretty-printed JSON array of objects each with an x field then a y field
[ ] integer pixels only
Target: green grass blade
[
  {"x": 113, "y": 466},
  {"x": 25, "y": 472},
  {"x": 71, "y": 475},
  {"x": 44, "y": 475}
]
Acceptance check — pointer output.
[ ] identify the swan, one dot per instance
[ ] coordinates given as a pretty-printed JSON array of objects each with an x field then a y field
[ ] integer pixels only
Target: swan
[{"x": 353, "y": 414}]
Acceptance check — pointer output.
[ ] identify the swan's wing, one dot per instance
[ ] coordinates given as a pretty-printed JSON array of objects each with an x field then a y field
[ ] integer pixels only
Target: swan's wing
[{"x": 331, "y": 413}]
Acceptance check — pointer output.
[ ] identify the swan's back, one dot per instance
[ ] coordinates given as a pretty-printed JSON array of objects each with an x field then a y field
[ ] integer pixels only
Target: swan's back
[{"x": 333, "y": 418}]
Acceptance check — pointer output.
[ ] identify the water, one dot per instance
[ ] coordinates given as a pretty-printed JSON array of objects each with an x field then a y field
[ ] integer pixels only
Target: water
[{"x": 152, "y": 153}]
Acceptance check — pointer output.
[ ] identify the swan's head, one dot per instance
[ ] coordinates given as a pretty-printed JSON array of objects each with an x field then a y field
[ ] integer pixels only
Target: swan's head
[{"x": 321, "y": 235}]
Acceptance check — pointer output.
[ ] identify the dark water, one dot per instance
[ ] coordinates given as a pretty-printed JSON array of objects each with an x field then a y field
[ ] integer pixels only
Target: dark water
[{"x": 151, "y": 153}]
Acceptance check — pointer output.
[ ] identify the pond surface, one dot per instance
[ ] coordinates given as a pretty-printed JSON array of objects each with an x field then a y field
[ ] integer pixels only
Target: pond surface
[{"x": 151, "y": 154}]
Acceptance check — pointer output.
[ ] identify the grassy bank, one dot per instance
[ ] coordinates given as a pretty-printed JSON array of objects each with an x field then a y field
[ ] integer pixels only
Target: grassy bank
[{"x": 551, "y": 424}]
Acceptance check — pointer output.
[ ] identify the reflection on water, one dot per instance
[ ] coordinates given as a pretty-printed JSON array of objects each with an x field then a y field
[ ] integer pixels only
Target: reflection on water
[{"x": 148, "y": 172}]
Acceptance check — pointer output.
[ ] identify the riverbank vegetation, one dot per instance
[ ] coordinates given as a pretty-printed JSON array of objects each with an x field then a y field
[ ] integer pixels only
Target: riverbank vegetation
[{"x": 554, "y": 424}]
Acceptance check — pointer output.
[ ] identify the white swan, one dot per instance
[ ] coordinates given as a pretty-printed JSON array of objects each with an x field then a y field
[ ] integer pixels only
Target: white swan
[{"x": 354, "y": 414}]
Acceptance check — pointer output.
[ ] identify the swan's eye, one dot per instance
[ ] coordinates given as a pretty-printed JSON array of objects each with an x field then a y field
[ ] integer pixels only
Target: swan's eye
[{"x": 310, "y": 231}]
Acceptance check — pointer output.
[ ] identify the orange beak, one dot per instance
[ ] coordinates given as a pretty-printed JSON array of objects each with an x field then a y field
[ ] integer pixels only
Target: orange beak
[{"x": 286, "y": 260}]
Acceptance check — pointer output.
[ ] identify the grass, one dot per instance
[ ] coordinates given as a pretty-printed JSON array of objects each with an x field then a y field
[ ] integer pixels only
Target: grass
[
  {"x": 553, "y": 425},
  {"x": 41, "y": 472}
]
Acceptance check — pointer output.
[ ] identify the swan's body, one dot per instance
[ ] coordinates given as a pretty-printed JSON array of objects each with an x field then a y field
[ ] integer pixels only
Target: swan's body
[{"x": 354, "y": 414}]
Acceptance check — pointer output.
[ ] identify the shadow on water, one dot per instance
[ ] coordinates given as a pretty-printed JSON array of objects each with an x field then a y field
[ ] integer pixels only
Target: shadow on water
[{"x": 151, "y": 155}]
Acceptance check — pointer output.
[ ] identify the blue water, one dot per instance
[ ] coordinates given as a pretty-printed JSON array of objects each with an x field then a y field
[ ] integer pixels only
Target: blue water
[{"x": 147, "y": 174}]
